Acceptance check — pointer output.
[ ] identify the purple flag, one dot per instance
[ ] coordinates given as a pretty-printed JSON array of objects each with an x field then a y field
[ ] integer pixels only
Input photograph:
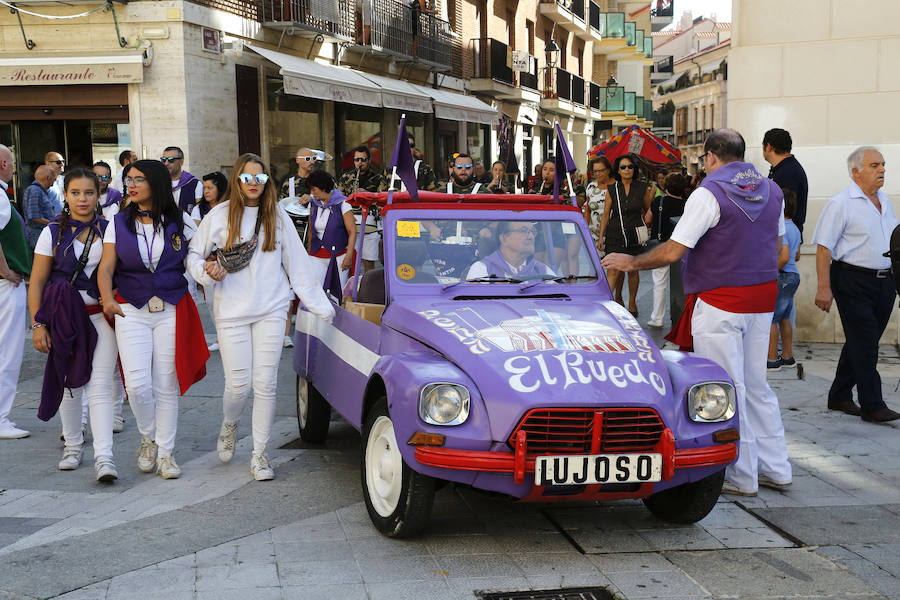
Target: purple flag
[
  {"x": 564, "y": 165},
  {"x": 402, "y": 161}
]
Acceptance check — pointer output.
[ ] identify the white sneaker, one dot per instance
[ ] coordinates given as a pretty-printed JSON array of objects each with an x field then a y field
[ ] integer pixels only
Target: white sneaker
[
  {"x": 167, "y": 468},
  {"x": 733, "y": 490},
  {"x": 118, "y": 423},
  {"x": 260, "y": 468},
  {"x": 105, "y": 469},
  {"x": 147, "y": 455},
  {"x": 213, "y": 347},
  {"x": 71, "y": 458},
  {"x": 288, "y": 342},
  {"x": 225, "y": 444},
  {"x": 652, "y": 323},
  {"x": 11, "y": 432},
  {"x": 766, "y": 481}
]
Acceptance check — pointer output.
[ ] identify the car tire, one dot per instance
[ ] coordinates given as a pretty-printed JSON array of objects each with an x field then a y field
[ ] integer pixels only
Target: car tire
[
  {"x": 688, "y": 502},
  {"x": 313, "y": 413},
  {"x": 398, "y": 499}
]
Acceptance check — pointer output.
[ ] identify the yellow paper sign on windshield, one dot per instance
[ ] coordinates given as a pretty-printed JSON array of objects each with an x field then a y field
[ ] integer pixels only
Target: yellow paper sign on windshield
[{"x": 408, "y": 229}]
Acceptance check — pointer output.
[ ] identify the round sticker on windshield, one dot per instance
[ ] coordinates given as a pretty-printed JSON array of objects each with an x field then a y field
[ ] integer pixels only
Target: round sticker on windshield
[{"x": 405, "y": 272}]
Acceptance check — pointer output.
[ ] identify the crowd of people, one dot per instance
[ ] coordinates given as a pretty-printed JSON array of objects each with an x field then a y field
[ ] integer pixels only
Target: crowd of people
[{"x": 115, "y": 260}]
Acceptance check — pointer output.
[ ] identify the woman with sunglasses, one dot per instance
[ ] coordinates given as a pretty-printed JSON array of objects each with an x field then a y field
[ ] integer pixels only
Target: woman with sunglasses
[
  {"x": 158, "y": 330},
  {"x": 623, "y": 227},
  {"x": 68, "y": 324},
  {"x": 260, "y": 264}
]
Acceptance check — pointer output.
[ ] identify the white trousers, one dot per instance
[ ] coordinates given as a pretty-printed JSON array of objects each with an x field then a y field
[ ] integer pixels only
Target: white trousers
[
  {"x": 660, "y": 287},
  {"x": 96, "y": 393},
  {"x": 12, "y": 343},
  {"x": 320, "y": 266},
  {"x": 370, "y": 246},
  {"x": 740, "y": 343},
  {"x": 250, "y": 357},
  {"x": 147, "y": 350}
]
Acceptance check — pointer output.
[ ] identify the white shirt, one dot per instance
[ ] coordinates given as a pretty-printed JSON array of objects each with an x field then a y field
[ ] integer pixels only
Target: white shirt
[
  {"x": 44, "y": 247},
  {"x": 854, "y": 231},
  {"x": 149, "y": 247},
  {"x": 5, "y": 206},
  {"x": 110, "y": 211},
  {"x": 266, "y": 286},
  {"x": 479, "y": 269},
  {"x": 322, "y": 217},
  {"x": 117, "y": 182},
  {"x": 701, "y": 213},
  {"x": 195, "y": 214},
  {"x": 198, "y": 190}
]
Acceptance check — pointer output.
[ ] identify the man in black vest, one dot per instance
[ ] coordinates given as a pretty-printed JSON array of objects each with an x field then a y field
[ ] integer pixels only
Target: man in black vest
[{"x": 185, "y": 187}]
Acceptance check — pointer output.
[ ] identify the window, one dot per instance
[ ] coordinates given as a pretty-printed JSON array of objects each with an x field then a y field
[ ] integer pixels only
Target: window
[
  {"x": 511, "y": 29},
  {"x": 712, "y": 114},
  {"x": 704, "y": 118},
  {"x": 529, "y": 32},
  {"x": 293, "y": 122},
  {"x": 563, "y": 50}
]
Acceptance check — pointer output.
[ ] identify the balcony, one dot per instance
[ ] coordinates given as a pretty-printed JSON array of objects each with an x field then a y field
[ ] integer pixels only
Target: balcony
[
  {"x": 493, "y": 75},
  {"x": 631, "y": 50},
  {"x": 563, "y": 92},
  {"x": 568, "y": 14},
  {"x": 662, "y": 120},
  {"x": 662, "y": 13},
  {"x": 661, "y": 69},
  {"x": 308, "y": 18},
  {"x": 607, "y": 30}
]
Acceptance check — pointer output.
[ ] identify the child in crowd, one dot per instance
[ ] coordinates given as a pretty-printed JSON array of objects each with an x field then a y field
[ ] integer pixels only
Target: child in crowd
[{"x": 788, "y": 282}]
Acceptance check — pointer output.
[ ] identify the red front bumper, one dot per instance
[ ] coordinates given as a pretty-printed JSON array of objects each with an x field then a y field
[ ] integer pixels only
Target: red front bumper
[{"x": 518, "y": 464}]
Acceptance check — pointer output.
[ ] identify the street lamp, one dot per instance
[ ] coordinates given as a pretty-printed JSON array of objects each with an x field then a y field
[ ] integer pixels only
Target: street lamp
[{"x": 552, "y": 52}]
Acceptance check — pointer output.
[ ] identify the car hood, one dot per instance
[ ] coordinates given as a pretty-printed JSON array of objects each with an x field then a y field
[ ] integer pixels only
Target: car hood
[{"x": 527, "y": 353}]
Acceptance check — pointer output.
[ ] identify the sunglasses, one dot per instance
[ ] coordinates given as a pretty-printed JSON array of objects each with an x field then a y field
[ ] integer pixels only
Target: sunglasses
[
  {"x": 248, "y": 178},
  {"x": 135, "y": 181},
  {"x": 58, "y": 162},
  {"x": 459, "y": 166},
  {"x": 104, "y": 178},
  {"x": 360, "y": 159},
  {"x": 624, "y": 167},
  {"x": 306, "y": 158},
  {"x": 170, "y": 159}
]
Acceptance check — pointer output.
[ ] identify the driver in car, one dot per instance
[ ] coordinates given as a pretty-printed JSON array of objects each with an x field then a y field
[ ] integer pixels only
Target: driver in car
[{"x": 515, "y": 257}]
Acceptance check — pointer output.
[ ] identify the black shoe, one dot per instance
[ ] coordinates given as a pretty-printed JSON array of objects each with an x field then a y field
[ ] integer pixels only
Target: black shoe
[
  {"x": 882, "y": 415},
  {"x": 848, "y": 406}
]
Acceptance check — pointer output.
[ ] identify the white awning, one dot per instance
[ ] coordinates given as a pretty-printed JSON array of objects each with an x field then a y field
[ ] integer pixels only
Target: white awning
[
  {"x": 399, "y": 94},
  {"x": 710, "y": 67},
  {"x": 326, "y": 82},
  {"x": 459, "y": 107}
]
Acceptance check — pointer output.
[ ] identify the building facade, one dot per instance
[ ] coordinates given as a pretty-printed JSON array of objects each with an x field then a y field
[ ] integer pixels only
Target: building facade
[{"x": 826, "y": 72}]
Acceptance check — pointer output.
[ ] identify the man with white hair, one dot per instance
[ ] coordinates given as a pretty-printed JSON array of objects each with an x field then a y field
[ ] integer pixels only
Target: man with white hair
[
  {"x": 851, "y": 238},
  {"x": 15, "y": 263}
]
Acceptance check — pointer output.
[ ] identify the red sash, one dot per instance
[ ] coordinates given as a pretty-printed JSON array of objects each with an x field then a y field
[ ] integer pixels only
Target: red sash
[{"x": 743, "y": 299}]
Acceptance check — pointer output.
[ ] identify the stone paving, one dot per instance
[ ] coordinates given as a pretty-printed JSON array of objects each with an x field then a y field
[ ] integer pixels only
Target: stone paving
[{"x": 216, "y": 534}]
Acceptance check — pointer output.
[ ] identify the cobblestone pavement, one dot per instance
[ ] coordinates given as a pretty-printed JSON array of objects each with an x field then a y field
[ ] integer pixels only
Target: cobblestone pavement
[{"x": 214, "y": 533}]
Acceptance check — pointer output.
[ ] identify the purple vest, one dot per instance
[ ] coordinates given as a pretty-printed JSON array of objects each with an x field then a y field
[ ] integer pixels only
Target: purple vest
[
  {"x": 113, "y": 196},
  {"x": 65, "y": 258},
  {"x": 185, "y": 191},
  {"x": 335, "y": 237},
  {"x": 497, "y": 266},
  {"x": 136, "y": 283},
  {"x": 738, "y": 251}
]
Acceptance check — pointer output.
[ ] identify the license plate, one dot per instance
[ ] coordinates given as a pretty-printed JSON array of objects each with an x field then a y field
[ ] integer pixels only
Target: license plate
[{"x": 597, "y": 468}]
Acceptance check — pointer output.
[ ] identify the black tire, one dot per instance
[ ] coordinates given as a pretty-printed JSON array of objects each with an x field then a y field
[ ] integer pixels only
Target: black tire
[
  {"x": 688, "y": 502},
  {"x": 313, "y": 413},
  {"x": 397, "y": 509}
]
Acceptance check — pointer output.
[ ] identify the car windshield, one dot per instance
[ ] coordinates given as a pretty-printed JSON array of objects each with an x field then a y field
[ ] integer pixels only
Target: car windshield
[{"x": 449, "y": 251}]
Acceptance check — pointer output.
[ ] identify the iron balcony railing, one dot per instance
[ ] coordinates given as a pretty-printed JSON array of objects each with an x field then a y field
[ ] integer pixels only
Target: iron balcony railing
[
  {"x": 608, "y": 25},
  {"x": 492, "y": 59},
  {"x": 663, "y": 64},
  {"x": 576, "y": 7},
  {"x": 663, "y": 10},
  {"x": 594, "y": 96},
  {"x": 434, "y": 39},
  {"x": 662, "y": 119},
  {"x": 578, "y": 90},
  {"x": 562, "y": 85},
  {"x": 330, "y": 17},
  {"x": 393, "y": 27}
]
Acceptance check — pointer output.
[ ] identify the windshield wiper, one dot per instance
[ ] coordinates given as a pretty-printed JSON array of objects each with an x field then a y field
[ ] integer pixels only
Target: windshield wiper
[
  {"x": 487, "y": 279},
  {"x": 531, "y": 284}
]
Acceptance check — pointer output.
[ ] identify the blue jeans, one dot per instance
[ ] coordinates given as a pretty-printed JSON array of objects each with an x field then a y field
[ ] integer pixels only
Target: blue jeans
[{"x": 787, "y": 287}]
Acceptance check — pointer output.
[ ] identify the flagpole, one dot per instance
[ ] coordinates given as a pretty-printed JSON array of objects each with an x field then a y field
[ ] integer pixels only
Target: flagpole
[{"x": 571, "y": 189}]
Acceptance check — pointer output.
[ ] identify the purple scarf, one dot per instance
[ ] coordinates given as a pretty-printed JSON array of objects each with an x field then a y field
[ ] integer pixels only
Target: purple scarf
[
  {"x": 334, "y": 238},
  {"x": 113, "y": 196},
  {"x": 498, "y": 267},
  {"x": 742, "y": 184},
  {"x": 64, "y": 258}
]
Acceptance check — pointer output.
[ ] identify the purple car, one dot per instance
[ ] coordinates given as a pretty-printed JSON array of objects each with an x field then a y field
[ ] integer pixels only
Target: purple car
[{"x": 489, "y": 352}]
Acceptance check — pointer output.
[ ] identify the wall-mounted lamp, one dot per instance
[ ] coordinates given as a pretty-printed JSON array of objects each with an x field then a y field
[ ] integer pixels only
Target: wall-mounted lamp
[{"x": 552, "y": 52}]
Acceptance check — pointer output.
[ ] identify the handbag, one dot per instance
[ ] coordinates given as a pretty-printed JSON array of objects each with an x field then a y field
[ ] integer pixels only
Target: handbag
[
  {"x": 239, "y": 256},
  {"x": 642, "y": 233}
]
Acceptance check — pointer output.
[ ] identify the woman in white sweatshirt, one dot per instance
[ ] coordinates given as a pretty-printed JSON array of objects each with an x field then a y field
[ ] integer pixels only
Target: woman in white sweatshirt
[{"x": 260, "y": 265}]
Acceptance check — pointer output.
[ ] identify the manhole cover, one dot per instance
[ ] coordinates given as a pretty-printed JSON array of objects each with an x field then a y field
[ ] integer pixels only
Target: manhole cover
[{"x": 582, "y": 593}]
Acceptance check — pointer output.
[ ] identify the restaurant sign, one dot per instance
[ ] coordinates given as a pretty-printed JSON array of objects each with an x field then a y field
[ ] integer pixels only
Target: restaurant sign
[{"x": 62, "y": 74}]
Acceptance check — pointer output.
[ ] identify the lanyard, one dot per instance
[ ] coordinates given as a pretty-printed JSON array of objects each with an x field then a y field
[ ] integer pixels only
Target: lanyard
[{"x": 149, "y": 248}]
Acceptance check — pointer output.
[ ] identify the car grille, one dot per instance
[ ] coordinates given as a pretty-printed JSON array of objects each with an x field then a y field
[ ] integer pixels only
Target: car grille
[{"x": 571, "y": 430}]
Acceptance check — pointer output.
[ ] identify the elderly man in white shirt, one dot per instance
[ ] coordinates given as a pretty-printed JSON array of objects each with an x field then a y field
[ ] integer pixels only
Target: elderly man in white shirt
[{"x": 851, "y": 238}]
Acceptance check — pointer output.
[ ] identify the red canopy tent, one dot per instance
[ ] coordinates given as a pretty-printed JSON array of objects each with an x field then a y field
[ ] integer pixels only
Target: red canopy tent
[{"x": 653, "y": 151}]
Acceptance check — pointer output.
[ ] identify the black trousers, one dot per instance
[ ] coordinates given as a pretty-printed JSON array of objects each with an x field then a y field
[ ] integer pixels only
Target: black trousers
[{"x": 865, "y": 304}]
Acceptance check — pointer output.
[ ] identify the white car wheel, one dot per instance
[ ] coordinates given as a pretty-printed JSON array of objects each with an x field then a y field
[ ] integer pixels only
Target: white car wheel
[{"x": 384, "y": 467}]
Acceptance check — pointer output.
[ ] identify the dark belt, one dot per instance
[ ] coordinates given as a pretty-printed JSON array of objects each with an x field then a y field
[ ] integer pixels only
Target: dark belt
[{"x": 878, "y": 273}]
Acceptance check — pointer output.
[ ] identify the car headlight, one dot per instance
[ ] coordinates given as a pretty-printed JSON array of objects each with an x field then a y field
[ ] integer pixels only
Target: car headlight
[
  {"x": 444, "y": 404},
  {"x": 711, "y": 402}
]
